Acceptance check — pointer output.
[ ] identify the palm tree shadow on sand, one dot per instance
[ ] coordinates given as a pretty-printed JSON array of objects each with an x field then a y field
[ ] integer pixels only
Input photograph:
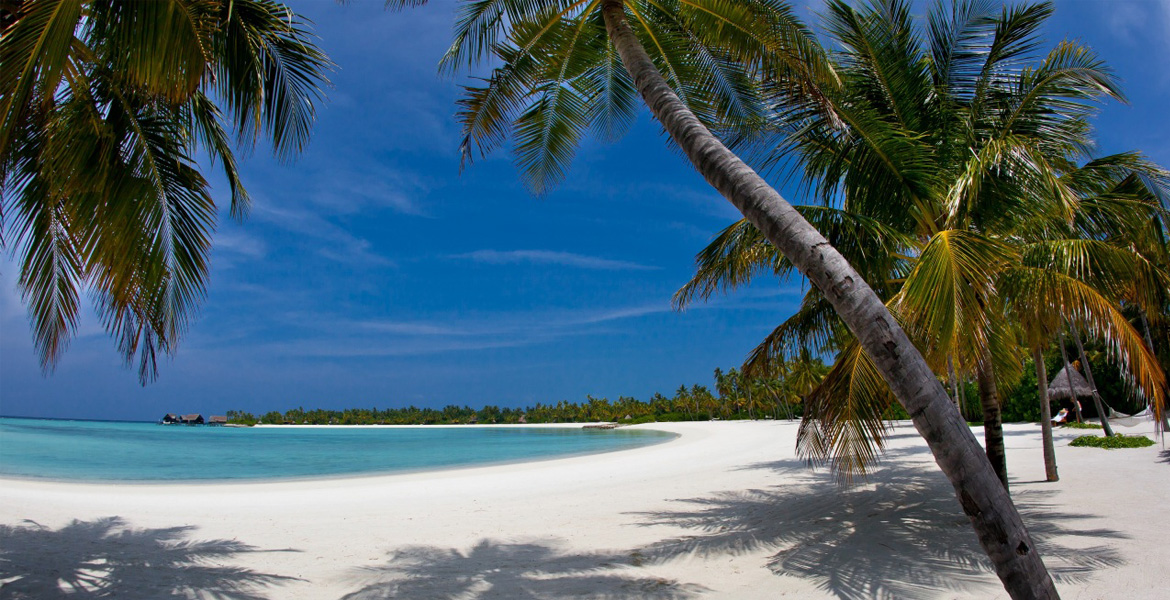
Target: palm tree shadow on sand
[
  {"x": 493, "y": 570},
  {"x": 900, "y": 535},
  {"x": 106, "y": 558}
]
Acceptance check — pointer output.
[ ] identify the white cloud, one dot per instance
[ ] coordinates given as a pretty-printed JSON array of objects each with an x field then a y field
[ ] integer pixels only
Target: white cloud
[
  {"x": 237, "y": 243},
  {"x": 347, "y": 190},
  {"x": 341, "y": 245},
  {"x": 549, "y": 257}
]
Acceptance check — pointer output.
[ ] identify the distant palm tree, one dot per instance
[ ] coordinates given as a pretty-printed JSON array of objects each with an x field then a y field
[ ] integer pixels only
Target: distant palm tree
[
  {"x": 104, "y": 105},
  {"x": 570, "y": 65}
]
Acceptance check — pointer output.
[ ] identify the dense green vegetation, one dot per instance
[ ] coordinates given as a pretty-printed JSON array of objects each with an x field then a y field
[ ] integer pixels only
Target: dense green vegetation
[
  {"x": 1075, "y": 425},
  {"x": 735, "y": 397},
  {"x": 1113, "y": 441}
]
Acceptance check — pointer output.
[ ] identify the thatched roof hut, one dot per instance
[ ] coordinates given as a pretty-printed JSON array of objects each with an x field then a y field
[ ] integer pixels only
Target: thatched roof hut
[
  {"x": 217, "y": 420},
  {"x": 195, "y": 419},
  {"x": 1059, "y": 389}
]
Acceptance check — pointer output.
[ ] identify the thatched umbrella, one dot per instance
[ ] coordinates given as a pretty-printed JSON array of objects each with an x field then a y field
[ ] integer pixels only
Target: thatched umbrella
[{"x": 1059, "y": 388}]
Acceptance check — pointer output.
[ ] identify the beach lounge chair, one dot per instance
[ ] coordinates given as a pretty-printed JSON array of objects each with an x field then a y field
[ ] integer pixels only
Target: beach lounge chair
[{"x": 1060, "y": 417}]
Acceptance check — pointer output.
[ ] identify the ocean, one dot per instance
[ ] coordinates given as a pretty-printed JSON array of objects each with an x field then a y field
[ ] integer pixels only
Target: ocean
[{"x": 149, "y": 453}]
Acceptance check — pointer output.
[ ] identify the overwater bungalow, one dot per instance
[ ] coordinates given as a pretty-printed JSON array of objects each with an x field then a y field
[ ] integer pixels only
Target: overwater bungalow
[
  {"x": 170, "y": 419},
  {"x": 217, "y": 420},
  {"x": 195, "y": 419}
]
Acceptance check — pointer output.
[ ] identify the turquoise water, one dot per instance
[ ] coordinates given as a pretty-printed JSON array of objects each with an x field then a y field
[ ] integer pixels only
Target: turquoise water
[{"x": 146, "y": 452}]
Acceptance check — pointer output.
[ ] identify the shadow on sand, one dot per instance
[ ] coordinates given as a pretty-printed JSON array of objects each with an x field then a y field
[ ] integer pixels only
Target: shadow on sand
[
  {"x": 498, "y": 571},
  {"x": 900, "y": 535},
  {"x": 106, "y": 558}
]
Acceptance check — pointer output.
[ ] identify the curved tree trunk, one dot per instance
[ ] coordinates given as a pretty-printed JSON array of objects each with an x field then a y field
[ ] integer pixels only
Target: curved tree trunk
[
  {"x": 998, "y": 524},
  {"x": 1097, "y": 403},
  {"x": 1045, "y": 415},
  {"x": 992, "y": 422}
]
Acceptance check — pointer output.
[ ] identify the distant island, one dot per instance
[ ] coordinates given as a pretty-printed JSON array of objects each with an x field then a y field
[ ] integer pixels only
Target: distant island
[{"x": 736, "y": 396}]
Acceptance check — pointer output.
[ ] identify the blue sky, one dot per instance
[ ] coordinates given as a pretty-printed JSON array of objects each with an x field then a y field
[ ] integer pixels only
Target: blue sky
[{"x": 372, "y": 273}]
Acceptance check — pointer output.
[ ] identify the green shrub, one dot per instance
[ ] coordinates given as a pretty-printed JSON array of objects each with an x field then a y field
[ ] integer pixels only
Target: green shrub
[
  {"x": 1117, "y": 441},
  {"x": 1075, "y": 425},
  {"x": 895, "y": 412},
  {"x": 1020, "y": 403}
]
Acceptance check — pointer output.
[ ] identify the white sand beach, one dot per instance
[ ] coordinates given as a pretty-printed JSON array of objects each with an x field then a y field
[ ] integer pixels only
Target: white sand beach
[{"x": 724, "y": 511}]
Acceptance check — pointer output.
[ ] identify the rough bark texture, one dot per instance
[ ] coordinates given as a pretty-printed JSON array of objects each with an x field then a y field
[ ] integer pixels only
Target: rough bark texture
[
  {"x": 998, "y": 524},
  {"x": 1045, "y": 416},
  {"x": 1097, "y": 403},
  {"x": 992, "y": 422}
]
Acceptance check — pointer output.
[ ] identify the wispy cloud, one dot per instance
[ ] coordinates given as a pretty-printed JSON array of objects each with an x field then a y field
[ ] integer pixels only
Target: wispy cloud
[
  {"x": 326, "y": 335},
  {"x": 341, "y": 245},
  {"x": 550, "y": 257},
  {"x": 349, "y": 188},
  {"x": 237, "y": 243}
]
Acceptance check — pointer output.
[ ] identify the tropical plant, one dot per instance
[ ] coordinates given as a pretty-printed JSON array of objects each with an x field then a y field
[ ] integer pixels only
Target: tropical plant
[
  {"x": 1112, "y": 441},
  {"x": 104, "y": 105},
  {"x": 950, "y": 164},
  {"x": 566, "y": 66}
]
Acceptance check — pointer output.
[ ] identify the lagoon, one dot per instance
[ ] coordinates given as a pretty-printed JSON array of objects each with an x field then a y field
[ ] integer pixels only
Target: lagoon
[{"x": 150, "y": 453}]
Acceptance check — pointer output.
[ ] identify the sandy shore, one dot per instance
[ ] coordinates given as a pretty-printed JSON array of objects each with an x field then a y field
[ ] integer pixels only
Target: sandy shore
[{"x": 723, "y": 511}]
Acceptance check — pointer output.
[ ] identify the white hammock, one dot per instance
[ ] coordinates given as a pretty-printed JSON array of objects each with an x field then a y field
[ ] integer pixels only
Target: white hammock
[{"x": 1116, "y": 418}]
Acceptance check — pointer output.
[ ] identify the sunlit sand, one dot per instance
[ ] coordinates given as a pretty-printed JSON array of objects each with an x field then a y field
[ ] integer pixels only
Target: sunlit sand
[{"x": 724, "y": 511}]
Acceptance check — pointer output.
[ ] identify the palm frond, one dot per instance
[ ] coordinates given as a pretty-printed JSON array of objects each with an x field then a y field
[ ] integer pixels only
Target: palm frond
[
  {"x": 944, "y": 297},
  {"x": 35, "y": 51},
  {"x": 843, "y": 425},
  {"x": 1034, "y": 291}
]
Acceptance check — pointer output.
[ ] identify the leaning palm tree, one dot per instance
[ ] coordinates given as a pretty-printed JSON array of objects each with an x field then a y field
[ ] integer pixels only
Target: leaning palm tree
[
  {"x": 964, "y": 156},
  {"x": 104, "y": 105},
  {"x": 570, "y": 65}
]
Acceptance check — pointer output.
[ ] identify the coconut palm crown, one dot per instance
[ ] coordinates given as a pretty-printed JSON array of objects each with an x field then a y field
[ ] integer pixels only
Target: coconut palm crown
[{"x": 104, "y": 107}]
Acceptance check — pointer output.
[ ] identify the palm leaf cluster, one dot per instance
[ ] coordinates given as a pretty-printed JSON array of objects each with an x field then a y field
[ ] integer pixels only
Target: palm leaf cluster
[
  {"x": 105, "y": 106},
  {"x": 561, "y": 78},
  {"x": 956, "y": 161}
]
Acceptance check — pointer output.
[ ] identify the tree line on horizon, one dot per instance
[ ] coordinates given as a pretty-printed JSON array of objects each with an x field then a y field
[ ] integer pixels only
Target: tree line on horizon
[{"x": 734, "y": 397}]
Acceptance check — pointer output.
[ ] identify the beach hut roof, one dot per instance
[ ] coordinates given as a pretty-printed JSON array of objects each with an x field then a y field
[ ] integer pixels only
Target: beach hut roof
[
  {"x": 1059, "y": 388},
  {"x": 218, "y": 419}
]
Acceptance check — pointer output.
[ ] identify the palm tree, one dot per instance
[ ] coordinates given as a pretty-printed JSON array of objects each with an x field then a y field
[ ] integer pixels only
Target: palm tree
[
  {"x": 966, "y": 151},
  {"x": 104, "y": 105},
  {"x": 568, "y": 65}
]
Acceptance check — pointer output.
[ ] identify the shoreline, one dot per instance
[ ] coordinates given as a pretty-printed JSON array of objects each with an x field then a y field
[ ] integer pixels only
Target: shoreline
[
  {"x": 725, "y": 510},
  {"x": 10, "y": 479}
]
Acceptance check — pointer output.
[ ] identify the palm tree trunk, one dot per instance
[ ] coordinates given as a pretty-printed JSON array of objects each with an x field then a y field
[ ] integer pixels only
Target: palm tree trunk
[
  {"x": 954, "y": 382},
  {"x": 1097, "y": 403},
  {"x": 998, "y": 524},
  {"x": 1045, "y": 415},
  {"x": 1068, "y": 373},
  {"x": 992, "y": 421}
]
